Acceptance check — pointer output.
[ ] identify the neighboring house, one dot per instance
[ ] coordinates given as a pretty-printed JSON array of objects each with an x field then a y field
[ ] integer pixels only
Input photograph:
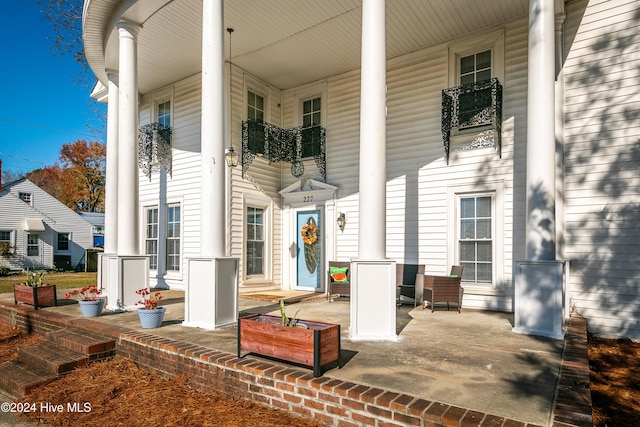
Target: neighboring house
[
  {"x": 499, "y": 135},
  {"x": 97, "y": 221},
  {"x": 42, "y": 232}
]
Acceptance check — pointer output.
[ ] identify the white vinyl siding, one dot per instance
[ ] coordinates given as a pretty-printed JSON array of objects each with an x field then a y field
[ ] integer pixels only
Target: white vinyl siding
[{"x": 602, "y": 181}]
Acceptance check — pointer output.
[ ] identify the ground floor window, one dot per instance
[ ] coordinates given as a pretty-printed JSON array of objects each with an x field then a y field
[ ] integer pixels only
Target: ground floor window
[
  {"x": 151, "y": 236},
  {"x": 475, "y": 238},
  {"x": 255, "y": 241},
  {"x": 33, "y": 244},
  {"x": 173, "y": 237},
  {"x": 63, "y": 241}
]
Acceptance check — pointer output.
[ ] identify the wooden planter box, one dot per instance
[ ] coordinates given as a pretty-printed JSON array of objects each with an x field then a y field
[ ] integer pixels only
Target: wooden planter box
[
  {"x": 39, "y": 296},
  {"x": 316, "y": 346}
]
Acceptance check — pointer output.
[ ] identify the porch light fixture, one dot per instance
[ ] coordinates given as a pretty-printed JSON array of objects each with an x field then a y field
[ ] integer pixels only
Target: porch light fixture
[
  {"x": 342, "y": 221},
  {"x": 231, "y": 157}
]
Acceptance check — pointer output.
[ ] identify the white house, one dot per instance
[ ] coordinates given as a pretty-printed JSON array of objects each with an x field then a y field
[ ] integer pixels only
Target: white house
[
  {"x": 40, "y": 230},
  {"x": 498, "y": 135}
]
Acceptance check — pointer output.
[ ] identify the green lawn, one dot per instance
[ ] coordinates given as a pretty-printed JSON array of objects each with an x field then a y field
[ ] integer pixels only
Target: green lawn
[{"x": 65, "y": 280}]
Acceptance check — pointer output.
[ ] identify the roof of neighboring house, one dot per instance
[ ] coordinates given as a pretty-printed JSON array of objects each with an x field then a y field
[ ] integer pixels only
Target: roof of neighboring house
[{"x": 95, "y": 218}]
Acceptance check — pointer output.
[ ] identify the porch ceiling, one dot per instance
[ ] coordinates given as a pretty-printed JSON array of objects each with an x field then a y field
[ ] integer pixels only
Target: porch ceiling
[{"x": 284, "y": 42}]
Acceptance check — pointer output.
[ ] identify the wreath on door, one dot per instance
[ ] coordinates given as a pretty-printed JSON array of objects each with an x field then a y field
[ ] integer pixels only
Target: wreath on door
[{"x": 309, "y": 234}]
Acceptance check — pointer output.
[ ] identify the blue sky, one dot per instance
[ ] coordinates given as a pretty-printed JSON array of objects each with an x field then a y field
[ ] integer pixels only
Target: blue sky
[{"x": 42, "y": 107}]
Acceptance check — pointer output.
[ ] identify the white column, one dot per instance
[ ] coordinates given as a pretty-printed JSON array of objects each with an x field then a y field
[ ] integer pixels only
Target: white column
[
  {"x": 111, "y": 179},
  {"x": 538, "y": 296},
  {"x": 373, "y": 166},
  {"x": 541, "y": 143},
  {"x": 211, "y": 297},
  {"x": 213, "y": 228},
  {"x": 372, "y": 307},
  {"x": 109, "y": 282},
  {"x": 128, "y": 236}
]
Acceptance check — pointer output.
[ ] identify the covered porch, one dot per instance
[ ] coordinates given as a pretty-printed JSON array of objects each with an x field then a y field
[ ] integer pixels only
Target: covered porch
[{"x": 441, "y": 366}]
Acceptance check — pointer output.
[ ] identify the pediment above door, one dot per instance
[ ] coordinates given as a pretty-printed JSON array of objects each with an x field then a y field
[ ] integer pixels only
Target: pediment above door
[{"x": 308, "y": 190}]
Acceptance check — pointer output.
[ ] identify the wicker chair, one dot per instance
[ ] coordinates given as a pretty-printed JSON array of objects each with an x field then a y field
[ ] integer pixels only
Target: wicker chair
[
  {"x": 406, "y": 281},
  {"x": 338, "y": 288},
  {"x": 444, "y": 289}
]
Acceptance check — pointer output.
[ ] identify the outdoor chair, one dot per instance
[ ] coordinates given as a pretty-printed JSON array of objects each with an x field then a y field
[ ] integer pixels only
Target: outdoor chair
[
  {"x": 338, "y": 279},
  {"x": 444, "y": 288},
  {"x": 408, "y": 281}
]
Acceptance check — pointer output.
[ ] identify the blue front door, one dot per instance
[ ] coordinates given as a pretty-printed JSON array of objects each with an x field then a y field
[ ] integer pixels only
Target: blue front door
[{"x": 309, "y": 249}]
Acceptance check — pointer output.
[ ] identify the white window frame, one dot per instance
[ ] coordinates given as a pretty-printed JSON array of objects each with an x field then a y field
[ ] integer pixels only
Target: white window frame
[
  {"x": 255, "y": 201},
  {"x": 306, "y": 93},
  {"x": 10, "y": 241},
  {"x": 454, "y": 194},
  {"x": 259, "y": 88},
  {"x": 146, "y": 237},
  {"x": 22, "y": 195},
  {"x": 180, "y": 239},
  {"x": 31, "y": 245},
  {"x": 493, "y": 41}
]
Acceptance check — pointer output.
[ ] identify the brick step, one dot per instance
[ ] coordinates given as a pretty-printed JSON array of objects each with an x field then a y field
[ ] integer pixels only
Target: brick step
[
  {"x": 52, "y": 358},
  {"x": 18, "y": 379},
  {"x": 93, "y": 346}
]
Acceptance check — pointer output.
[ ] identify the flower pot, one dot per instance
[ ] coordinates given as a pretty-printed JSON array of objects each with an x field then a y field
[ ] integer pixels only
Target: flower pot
[
  {"x": 151, "y": 318},
  {"x": 91, "y": 308}
]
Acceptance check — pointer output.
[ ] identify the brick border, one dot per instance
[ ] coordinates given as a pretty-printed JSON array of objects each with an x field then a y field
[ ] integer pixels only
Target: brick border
[{"x": 330, "y": 401}]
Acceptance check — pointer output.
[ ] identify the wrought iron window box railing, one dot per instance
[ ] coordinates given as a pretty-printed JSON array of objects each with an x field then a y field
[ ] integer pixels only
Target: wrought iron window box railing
[
  {"x": 473, "y": 109},
  {"x": 154, "y": 148},
  {"x": 260, "y": 138}
]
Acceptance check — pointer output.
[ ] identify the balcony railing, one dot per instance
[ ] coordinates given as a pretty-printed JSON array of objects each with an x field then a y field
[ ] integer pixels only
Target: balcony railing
[
  {"x": 276, "y": 144},
  {"x": 470, "y": 109},
  {"x": 154, "y": 148}
]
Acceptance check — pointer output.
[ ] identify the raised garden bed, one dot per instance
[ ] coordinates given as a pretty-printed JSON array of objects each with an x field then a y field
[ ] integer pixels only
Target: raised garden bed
[
  {"x": 37, "y": 296},
  {"x": 316, "y": 345}
]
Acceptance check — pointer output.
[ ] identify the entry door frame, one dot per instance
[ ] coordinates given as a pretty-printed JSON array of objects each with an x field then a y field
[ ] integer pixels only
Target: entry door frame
[{"x": 307, "y": 195}]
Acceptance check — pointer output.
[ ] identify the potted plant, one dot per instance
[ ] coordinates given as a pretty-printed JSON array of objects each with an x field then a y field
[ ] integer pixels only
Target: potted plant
[
  {"x": 151, "y": 315},
  {"x": 34, "y": 291},
  {"x": 308, "y": 343},
  {"x": 89, "y": 299}
]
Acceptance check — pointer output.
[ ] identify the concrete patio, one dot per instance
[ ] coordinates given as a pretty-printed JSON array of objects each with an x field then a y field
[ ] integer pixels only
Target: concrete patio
[{"x": 471, "y": 360}]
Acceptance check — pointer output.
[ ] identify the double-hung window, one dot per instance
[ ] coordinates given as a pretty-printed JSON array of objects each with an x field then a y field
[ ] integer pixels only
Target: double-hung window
[
  {"x": 63, "y": 241},
  {"x": 476, "y": 241},
  {"x": 151, "y": 236},
  {"x": 311, "y": 130},
  {"x": 255, "y": 241},
  {"x": 475, "y": 68},
  {"x": 173, "y": 237},
  {"x": 255, "y": 119},
  {"x": 33, "y": 244}
]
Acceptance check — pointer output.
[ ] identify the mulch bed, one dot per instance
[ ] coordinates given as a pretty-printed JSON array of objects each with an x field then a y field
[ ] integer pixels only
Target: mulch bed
[
  {"x": 615, "y": 382},
  {"x": 122, "y": 394}
]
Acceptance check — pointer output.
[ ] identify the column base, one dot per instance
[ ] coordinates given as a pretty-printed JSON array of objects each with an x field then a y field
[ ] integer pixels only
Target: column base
[
  {"x": 120, "y": 277},
  {"x": 211, "y": 295},
  {"x": 373, "y": 300},
  {"x": 539, "y": 298}
]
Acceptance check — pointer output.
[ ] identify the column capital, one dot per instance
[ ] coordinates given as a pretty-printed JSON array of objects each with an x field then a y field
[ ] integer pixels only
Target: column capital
[{"x": 128, "y": 27}]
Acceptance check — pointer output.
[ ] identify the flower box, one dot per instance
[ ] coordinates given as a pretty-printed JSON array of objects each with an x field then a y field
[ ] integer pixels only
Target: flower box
[
  {"x": 316, "y": 345},
  {"x": 37, "y": 296}
]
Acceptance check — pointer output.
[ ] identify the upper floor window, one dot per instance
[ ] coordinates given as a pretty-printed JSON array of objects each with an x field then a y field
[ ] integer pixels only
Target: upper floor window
[
  {"x": 164, "y": 113},
  {"x": 63, "y": 241},
  {"x": 311, "y": 129},
  {"x": 255, "y": 106},
  {"x": 475, "y": 68},
  {"x": 25, "y": 197}
]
